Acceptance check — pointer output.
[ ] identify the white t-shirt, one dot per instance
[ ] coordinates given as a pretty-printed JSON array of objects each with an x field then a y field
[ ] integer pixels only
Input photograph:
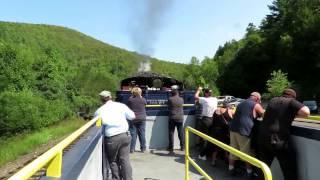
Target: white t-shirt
[
  {"x": 114, "y": 116},
  {"x": 209, "y": 105}
]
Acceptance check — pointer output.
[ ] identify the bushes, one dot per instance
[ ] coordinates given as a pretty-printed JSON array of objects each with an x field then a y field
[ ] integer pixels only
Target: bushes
[
  {"x": 48, "y": 72},
  {"x": 24, "y": 111}
]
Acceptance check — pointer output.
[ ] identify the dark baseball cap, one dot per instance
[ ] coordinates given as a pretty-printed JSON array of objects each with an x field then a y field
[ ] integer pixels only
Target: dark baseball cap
[{"x": 206, "y": 90}]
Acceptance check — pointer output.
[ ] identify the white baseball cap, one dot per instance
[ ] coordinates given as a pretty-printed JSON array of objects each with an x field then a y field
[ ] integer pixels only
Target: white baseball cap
[
  {"x": 174, "y": 87},
  {"x": 105, "y": 93}
]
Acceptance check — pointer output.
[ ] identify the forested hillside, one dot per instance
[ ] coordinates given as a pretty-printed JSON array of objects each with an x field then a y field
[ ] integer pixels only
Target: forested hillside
[
  {"x": 288, "y": 39},
  {"x": 48, "y": 72}
]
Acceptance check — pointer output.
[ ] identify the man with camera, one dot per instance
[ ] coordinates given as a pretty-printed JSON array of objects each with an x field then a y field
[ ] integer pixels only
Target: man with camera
[{"x": 209, "y": 105}]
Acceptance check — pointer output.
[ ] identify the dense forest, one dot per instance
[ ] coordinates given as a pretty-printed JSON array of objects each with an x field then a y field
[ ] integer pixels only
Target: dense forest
[
  {"x": 47, "y": 73},
  {"x": 288, "y": 39}
]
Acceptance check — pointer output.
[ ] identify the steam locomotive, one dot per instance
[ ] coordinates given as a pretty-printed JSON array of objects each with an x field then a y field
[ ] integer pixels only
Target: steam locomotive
[{"x": 156, "y": 90}]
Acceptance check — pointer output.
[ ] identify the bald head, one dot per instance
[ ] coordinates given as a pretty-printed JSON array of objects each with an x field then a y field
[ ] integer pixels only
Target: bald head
[{"x": 255, "y": 96}]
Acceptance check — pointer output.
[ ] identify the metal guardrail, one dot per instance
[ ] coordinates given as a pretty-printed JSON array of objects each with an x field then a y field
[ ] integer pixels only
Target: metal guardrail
[
  {"x": 53, "y": 157},
  {"x": 243, "y": 156}
]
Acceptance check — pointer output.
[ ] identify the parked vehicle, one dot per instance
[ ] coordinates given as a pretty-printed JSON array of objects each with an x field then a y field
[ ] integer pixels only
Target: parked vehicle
[
  {"x": 236, "y": 102},
  {"x": 312, "y": 105},
  {"x": 228, "y": 99}
]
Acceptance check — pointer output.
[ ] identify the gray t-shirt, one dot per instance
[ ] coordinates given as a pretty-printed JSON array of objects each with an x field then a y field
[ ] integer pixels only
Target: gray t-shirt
[
  {"x": 175, "y": 104},
  {"x": 138, "y": 106}
]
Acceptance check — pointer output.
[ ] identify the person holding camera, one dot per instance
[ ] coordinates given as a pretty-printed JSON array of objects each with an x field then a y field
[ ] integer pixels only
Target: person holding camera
[
  {"x": 209, "y": 106},
  {"x": 175, "y": 106}
]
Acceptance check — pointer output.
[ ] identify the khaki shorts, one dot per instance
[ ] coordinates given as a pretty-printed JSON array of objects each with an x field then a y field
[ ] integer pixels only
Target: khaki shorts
[{"x": 241, "y": 143}]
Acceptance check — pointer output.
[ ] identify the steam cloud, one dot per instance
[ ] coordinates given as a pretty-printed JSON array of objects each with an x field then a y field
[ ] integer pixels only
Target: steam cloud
[
  {"x": 148, "y": 23},
  {"x": 145, "y": 66}
]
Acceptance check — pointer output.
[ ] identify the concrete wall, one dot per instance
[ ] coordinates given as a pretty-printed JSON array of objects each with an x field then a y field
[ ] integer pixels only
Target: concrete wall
[
  {"x": 157, "y": 135},
  {"x": 84, "y": 157},
  {"x": 307, "y": 157},
  {"x": 93, "y": 167}
]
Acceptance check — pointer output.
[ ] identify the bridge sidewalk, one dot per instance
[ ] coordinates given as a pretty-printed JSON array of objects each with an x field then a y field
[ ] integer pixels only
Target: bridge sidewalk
[{"x": 160, "y": 165}]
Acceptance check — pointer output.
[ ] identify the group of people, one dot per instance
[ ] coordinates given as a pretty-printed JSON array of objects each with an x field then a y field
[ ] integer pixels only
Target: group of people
[
  {"x": 123, "y": 123},
  {"x": 137, "y": 126},
  {"x": 243, "y": 131}
]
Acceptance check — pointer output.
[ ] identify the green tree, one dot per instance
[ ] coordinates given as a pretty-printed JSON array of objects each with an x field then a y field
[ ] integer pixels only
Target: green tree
[{"x": 276, "y": 84}]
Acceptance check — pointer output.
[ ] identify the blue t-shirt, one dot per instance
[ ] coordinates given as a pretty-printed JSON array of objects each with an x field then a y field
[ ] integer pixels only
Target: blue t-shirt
[{"x": 243, "y": 118}]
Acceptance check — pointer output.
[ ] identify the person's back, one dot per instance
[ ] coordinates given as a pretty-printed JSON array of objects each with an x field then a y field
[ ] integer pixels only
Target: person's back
[
  {"x": 137, "y": 105},
  {"x": 116, "y": 138},
  {"x": 243, "y": 118},
  {"x": 274, "y": 135},
  {"x": 175, "y": 104},
  {"x": 209, "y": 105},
  {"x": 113, "y": 117},
  {"x": 279, "y": 115},
  {"x": 241, "y": 127},
  {"x": 220, "y": 124}
]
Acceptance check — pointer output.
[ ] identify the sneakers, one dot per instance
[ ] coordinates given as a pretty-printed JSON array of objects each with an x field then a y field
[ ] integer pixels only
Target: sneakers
[
  {"x": 202, "y": 157},
  {"x": 170, "y": 149},
  {"x": 252, "y": 175}
]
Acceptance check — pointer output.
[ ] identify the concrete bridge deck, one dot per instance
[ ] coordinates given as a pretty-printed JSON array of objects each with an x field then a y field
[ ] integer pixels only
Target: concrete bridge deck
[{"x": 161, "y": 165}]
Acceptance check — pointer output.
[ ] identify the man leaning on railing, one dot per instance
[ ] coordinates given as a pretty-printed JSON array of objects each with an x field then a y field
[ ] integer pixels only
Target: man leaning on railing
[{"x": 117, "y": 139}]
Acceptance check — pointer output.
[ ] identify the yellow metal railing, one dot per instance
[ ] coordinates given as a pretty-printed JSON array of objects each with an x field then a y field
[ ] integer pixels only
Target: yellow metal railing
[
  {"x": 243, "y": 156},
  {"x": 165, "y": 105},
  {"x": 316, "y": 118},
  {"x": 53, "y": 157}
]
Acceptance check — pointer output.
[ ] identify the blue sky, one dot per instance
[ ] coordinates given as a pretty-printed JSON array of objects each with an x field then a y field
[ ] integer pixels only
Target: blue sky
[{"x": 177, "y": 31}]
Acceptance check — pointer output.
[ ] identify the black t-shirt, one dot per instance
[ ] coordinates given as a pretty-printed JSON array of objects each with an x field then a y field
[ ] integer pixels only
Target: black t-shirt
[
  {"x": 175, "y": 105},
  {"x": 279, "y": 115},
  {"x": 138, "y": 106}
]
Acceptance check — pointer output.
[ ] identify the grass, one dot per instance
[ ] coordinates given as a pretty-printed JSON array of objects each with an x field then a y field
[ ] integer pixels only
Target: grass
[{"x": 13, "y": 147}]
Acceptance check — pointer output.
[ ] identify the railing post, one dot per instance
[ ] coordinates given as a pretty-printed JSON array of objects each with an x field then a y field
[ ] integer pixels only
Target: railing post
[
  {"x": 99, "y": 122},
  {"x": 187, "y": 153},
  {"x": 54, "y": 168}
]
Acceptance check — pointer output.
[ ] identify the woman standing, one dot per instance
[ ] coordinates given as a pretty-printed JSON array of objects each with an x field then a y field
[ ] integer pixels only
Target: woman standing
[
  {"x": 137, "y": 104},
  {"x": 220, "y": 128}
]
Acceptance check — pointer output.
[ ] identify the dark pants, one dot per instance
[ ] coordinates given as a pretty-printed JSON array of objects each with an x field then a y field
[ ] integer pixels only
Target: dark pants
[
  {"x": 117, "y": 153},
  {"x": 138, "y": 128},
  {"x": 172, "y": 125},
  {"x": 204, "y": 126},
  {"x": 286, "y": 156}
]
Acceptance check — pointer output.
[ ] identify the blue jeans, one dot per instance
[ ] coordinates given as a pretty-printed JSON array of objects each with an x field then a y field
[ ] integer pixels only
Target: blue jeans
[{"x": 138, "y": 128}]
